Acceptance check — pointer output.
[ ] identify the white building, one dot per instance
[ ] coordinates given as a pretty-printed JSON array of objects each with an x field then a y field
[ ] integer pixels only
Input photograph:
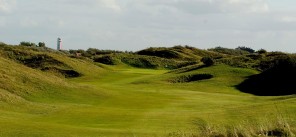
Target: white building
[{"x": 59, "y": 44}]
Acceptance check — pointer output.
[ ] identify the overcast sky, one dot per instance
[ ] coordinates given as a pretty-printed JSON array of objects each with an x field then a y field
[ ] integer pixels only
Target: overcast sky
[{"x": 137, "y": 24}]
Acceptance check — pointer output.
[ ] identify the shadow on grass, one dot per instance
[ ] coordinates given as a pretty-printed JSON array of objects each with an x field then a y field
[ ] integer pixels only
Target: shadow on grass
[
  {"x": 275, "y": 82},
  {"x": 67, "y": 73}
]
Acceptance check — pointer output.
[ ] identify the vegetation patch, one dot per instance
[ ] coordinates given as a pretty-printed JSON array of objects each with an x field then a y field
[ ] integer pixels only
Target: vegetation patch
[
  {"x": 236, "y": 52},
  {"x": 140, "y": 62},
  {"x": 107, "y": 59},
  {"x": 238, "y": 61},
  {"x": 191, "y": 78},
  {"x": 150, "y": 62}
]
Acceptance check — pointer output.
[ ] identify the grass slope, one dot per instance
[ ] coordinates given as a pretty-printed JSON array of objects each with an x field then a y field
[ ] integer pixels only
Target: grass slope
[{"x": 125, "y": 101}]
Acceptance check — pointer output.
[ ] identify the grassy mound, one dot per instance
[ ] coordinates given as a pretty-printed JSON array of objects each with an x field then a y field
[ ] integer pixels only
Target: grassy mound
[
  {"x": 44, "y": 59},
  {"x": 23, "y": 81},
  {"x": 151, "y": 62},
  {"x": 179, "y": 52},
  {"x": 26, "y": 72},
  {"x": 163, "y": 53},
  {"x": 39, "y": 60},
  {"x": 142, "y": 61},
  {"x": 277, "y": 79}
]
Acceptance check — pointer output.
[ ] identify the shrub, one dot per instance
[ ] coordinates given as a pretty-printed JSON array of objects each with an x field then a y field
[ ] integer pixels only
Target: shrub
[
  {"x": 108, "y": 60},
  {"x": 207, "y": 61},
  {"x": 278, "y": 62},
  {"x": 28, "y": 44},
  {"x": 261, "y": 51},
  {"x": 41, "y": 44}
]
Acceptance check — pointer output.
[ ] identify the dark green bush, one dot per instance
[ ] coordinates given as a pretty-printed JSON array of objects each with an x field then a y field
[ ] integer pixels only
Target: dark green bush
[
  {"x": 28, "y": 44},
  {"x": 41, "y": 44},
  {"x": 261, "y": 51},
  {"x": 107, "y": 59},
  {"x": 207, "y": 61}
]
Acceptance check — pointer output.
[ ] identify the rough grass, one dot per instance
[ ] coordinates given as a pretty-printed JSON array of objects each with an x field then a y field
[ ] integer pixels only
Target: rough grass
[
  {"x": 125, "y": 101},
  {"x": 179, "y": 52},
  {"x": 191, "y": 78},
  {"x": 153, "y": 62}
]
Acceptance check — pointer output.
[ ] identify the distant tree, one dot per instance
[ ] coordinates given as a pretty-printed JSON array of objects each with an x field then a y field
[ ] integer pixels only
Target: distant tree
[
  {"x": 41, "y": 44},
  {"x": 261, "y": 51},
  {"x": 92, "y": 51},
  {"x": 27, "y": 44},
  {"x": 207, "y": 61},
  {"x": 250, "y": 50}
]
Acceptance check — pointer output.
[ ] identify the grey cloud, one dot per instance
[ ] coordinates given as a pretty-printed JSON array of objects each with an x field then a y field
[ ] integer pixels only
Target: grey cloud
[
  {"x": 137, "y": 24},
  {"x": 7, "y": 6},
  {"x": 205, "y": 6}
]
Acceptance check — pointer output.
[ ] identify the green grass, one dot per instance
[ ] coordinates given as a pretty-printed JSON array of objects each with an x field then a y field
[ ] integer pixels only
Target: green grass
[{"x": 124, "y": 101}]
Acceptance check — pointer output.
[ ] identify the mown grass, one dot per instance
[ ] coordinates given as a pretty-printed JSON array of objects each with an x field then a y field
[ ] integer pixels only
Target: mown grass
[{"x": 125, "y": 101}]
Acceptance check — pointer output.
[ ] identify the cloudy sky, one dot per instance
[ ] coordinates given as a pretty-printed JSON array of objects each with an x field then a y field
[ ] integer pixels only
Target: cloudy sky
[{"x": 137, "y": 24}]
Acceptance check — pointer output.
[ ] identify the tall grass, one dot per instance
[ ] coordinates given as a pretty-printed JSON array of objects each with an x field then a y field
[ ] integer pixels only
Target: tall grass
[
  {"x": 278, "y": 125},
  {"x": 261, "y": 128}
]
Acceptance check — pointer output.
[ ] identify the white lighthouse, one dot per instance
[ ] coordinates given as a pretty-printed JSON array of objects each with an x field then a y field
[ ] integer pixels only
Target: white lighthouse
[{"x": 59, "y": 44}]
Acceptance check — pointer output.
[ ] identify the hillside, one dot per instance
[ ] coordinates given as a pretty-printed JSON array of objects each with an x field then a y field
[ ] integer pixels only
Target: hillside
[
  {"x": 44, "y": 92},
  {"x": 28, "y": 73}
]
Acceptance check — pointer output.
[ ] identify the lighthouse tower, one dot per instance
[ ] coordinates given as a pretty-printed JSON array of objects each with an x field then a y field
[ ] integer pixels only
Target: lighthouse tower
[{"x": 59, "y": 44}]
